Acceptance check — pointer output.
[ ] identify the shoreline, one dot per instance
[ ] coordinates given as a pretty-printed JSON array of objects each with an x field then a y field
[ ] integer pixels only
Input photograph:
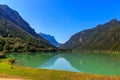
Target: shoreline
[{"x": 26, "y": 73}]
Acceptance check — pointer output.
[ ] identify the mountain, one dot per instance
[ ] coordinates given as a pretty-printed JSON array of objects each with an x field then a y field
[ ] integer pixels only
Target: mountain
[
  {"x": 14, "y": 17},
  {"x": 51, "y": 39},
  {"x": 101, "y": 38},
  {"x": 17, "y": 36}
]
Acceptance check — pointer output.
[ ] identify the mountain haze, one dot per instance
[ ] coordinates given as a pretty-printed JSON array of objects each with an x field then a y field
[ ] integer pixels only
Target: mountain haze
[
  {"x": 102, "y": 37},
  {"x": 51, "y": 39}
]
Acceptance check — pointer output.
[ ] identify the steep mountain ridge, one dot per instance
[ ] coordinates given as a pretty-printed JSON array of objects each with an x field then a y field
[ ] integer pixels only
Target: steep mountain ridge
[
  {"x": 13, "y": 38},
  {"x": 102, "y": 37},
  {"x": 14, "y": 17}
]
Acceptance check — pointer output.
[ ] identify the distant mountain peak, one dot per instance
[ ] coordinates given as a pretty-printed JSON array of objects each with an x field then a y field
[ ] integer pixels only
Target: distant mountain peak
[
  {"x": 51, "y": 39},
  {"x": 114, "y": 21},
  {"x": 4, "y": 6},
  {"x": 47, "y": 34}
]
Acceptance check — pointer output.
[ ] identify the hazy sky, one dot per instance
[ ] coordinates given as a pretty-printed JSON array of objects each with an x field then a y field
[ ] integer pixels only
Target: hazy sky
[{"x": 63, "y": 18}]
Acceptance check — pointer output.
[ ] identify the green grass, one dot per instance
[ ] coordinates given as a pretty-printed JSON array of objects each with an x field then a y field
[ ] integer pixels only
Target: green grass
[{"x": 43, "y": 74}]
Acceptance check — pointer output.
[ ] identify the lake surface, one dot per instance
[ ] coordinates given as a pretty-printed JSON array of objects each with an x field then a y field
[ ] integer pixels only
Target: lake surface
[{"x": 105, "y": 64}]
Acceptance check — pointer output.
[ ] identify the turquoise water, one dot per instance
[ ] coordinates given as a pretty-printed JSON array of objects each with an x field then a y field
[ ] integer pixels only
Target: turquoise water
[{"x": 105, "y": 64}]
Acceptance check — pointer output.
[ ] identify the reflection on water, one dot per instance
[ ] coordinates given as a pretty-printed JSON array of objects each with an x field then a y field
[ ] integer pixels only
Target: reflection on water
[
  {"x": 58, "y": 63},
  {"x": 84, "y": 62},
  {"x": 31, "y": 60}
]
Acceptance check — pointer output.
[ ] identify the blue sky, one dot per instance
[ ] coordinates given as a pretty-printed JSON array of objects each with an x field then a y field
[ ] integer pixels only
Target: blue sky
[{"x": 63, "y": 18}]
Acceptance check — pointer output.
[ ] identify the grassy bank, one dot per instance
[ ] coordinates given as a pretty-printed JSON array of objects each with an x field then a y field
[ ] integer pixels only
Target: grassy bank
[{"x": 42, "y": 74}]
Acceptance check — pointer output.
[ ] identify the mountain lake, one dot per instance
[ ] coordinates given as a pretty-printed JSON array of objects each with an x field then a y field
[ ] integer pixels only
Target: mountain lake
[{"x": 105, "y": 64}]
